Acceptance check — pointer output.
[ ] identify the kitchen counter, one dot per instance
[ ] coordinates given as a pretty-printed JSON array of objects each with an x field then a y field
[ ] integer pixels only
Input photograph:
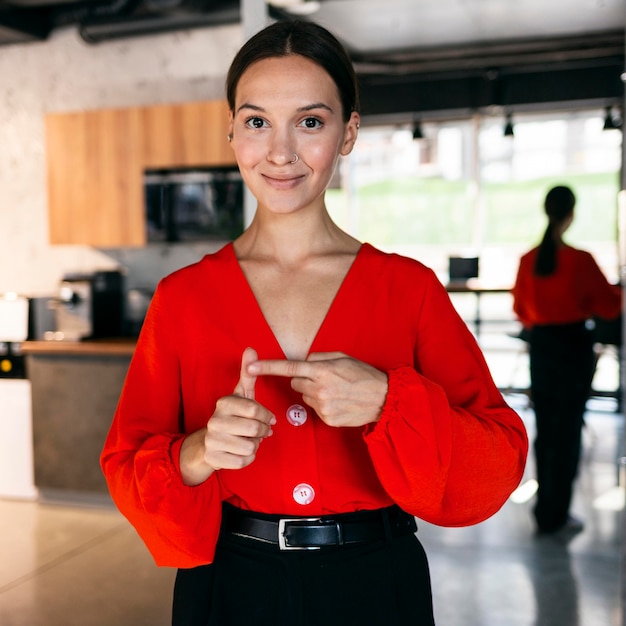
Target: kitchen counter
[
  {"x": 97, "y": 347},
  {"x": 75, "y": 389}
]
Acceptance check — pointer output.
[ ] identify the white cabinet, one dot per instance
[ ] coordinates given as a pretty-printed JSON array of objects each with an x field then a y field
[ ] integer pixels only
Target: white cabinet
[{"x": 16, "y": 440}]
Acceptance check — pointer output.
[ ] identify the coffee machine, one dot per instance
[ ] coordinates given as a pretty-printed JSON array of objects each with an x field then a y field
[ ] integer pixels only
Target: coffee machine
[{"x": 91, "y": 305}]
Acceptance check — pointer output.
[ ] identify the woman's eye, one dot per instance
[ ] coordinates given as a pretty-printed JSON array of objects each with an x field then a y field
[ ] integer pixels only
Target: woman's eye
[
  {"x": 255, "y": 122},
  {"x": 312, "y": 122}
]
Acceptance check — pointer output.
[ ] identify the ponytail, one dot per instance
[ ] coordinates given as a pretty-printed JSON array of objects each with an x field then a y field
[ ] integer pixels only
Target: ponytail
[
  {"x": 545, "y": 263},
  {"x": 558, "y": 205}
]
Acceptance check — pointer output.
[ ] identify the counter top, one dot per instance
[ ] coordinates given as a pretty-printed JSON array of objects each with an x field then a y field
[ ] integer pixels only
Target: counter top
[
  {"x": 99, "y": 347},
  {"x": 475, "y": 286}
]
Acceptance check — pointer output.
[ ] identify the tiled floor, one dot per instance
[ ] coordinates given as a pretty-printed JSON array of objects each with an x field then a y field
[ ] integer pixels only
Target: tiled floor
[
  {"x": 499, "y": 573},
  {"x": 77, "y": 565}
]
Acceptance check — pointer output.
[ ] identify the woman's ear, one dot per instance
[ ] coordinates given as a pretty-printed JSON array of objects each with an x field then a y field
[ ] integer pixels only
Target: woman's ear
[
  {"x": 350, "y": 134},
  {"x": 230, "y": 126}
]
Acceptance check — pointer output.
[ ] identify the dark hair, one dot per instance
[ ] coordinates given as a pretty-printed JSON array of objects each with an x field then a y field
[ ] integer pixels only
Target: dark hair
[
  {"x": 559, "y": 205},
  {"x": 306, "y": 39}
]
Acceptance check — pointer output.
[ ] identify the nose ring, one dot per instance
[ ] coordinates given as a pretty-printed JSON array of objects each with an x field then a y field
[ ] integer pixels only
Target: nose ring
[{"x": 296, "y": 158}]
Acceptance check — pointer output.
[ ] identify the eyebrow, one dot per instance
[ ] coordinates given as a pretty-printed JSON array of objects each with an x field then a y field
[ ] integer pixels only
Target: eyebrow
[{"x": 308, "y": 107}]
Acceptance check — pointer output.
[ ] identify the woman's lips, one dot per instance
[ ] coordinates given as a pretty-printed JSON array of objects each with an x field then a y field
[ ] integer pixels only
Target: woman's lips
[{"x": 282, "y": 182}]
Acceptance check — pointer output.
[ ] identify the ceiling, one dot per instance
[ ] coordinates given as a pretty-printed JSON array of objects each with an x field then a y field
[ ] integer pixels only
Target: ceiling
[
  {"x": 383, "y": 25},
  {"x": 434, "y": 55},
  {"x": 427, "y": 55}
]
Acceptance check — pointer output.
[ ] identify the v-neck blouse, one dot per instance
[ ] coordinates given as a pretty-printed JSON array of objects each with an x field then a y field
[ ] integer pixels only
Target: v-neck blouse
[
  {"x": 247, "y": 293},
  {"x": 447, "y": 448}
]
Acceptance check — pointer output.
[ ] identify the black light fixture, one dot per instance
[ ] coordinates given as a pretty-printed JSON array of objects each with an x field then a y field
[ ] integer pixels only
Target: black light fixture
[
  {"x": 611, "y": 121},
  {"x": 508, "y": 127},
  {"x": 417, "y": 130}
]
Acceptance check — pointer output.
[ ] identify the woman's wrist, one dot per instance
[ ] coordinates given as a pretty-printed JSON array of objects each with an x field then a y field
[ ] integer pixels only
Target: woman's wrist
[{"x": 193, "y": 468}]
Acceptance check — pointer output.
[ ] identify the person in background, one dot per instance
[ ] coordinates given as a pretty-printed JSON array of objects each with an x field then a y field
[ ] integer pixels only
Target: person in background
[
  {"x": 557, "y": 290},
  {"x": 298, "y": 397}
]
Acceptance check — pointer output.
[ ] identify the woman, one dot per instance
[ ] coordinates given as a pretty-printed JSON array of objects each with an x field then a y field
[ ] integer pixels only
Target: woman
[
  {"x": 296, "y": 398},
  {"x": 559, "y": 288}
]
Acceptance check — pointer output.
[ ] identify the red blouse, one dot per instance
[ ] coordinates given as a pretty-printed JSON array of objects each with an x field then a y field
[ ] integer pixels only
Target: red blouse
[
  {"x": 577, "y": 291},
  {"x": 447, "y": 448}
]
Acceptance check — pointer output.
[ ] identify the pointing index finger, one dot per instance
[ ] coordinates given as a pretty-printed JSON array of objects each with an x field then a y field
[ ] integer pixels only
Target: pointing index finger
[{"x": 280, "y": 367}]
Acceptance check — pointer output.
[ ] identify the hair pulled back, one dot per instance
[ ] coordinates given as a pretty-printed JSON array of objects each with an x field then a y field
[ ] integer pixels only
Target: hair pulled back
[
  {"x": 306, "y": 39},
  {"x": 558, "y": 205}
]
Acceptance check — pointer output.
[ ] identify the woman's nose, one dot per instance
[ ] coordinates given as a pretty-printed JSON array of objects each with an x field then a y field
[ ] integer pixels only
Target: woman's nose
[{"x": 282, "y": 149}]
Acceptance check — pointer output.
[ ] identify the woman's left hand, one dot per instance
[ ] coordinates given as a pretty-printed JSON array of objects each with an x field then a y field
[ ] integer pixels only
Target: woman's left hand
[{"x": 342, "y": 390}]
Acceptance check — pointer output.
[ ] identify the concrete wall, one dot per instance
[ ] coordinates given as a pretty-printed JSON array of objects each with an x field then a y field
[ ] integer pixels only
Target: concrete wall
[{"x": 66, "y": 74}]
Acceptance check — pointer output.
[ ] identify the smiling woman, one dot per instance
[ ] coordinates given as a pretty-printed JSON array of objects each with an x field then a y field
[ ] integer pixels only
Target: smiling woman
[
  {"x": 302, "y": 125},
  {"x": 293, "y": 391}
]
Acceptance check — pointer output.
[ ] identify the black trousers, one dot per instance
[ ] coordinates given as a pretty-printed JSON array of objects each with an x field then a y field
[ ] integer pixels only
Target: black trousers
[
  {"x": 386, "y": 583},
  {"x": 562, "y": 365}
]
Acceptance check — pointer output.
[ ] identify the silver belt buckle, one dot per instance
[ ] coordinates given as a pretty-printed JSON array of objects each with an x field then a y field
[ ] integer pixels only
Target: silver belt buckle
[{"x": 282, "y": 542}]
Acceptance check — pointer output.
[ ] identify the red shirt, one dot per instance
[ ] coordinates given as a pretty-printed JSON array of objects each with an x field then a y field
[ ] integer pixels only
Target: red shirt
[
  {"x": 447, "y": 448},
  {"x": 575, "y": 292}
]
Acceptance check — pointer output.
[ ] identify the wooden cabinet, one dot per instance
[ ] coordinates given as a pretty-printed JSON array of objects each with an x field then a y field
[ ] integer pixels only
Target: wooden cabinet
[
  {"x": 188, "y": 134},
  {"x": 96, "y": 161}
]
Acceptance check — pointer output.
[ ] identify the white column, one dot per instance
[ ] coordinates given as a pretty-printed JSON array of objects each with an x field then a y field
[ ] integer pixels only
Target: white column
[{"x": 254, "y": 17}]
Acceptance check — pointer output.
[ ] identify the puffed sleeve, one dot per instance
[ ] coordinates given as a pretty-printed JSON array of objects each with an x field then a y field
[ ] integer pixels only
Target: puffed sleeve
[
  {"x": 605, "y": 300},
  {"x": 140, "y": 460},
  {"x": 447, "y": 448}
]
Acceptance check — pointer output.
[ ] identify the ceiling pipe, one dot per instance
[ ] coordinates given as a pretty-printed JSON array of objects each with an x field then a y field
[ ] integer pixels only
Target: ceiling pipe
[{"x": 94, "y": 31}]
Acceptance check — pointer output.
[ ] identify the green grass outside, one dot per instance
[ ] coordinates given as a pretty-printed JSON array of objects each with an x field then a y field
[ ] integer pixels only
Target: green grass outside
[{"x": 435, "y": 211}]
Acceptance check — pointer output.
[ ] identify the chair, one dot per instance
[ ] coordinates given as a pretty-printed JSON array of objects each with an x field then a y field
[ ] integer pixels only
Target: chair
[
  {"x": 608, "y": 332},
  {"x": 607, "y": 337}
]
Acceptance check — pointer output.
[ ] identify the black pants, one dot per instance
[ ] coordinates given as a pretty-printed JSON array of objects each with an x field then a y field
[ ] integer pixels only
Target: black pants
[
  {"x": 561, "y": 370},
  {"x": 386, "y": 583}
]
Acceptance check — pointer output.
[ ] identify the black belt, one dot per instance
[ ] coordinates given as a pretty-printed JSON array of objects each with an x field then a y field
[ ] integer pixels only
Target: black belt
[{"x": 313, "y": 533}]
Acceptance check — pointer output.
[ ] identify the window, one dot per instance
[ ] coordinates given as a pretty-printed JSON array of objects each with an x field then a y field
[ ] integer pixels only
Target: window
[{"x": 467, "y": 190}]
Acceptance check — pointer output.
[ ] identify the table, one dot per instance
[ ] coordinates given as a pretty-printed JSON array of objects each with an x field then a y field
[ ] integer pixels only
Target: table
[{"x": 474, "y": 286}]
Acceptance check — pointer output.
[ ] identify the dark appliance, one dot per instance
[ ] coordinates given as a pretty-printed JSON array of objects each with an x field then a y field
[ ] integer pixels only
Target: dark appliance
[
  {"x": 461, "y": 268},
  {"x": 41, "y": 317},
  {"x": 191, "y": 205},
  {"x": 91, "y": 305}
]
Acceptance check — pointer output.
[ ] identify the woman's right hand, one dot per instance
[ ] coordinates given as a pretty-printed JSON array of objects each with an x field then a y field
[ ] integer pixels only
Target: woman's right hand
[{"x": 233, "y": 433}]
